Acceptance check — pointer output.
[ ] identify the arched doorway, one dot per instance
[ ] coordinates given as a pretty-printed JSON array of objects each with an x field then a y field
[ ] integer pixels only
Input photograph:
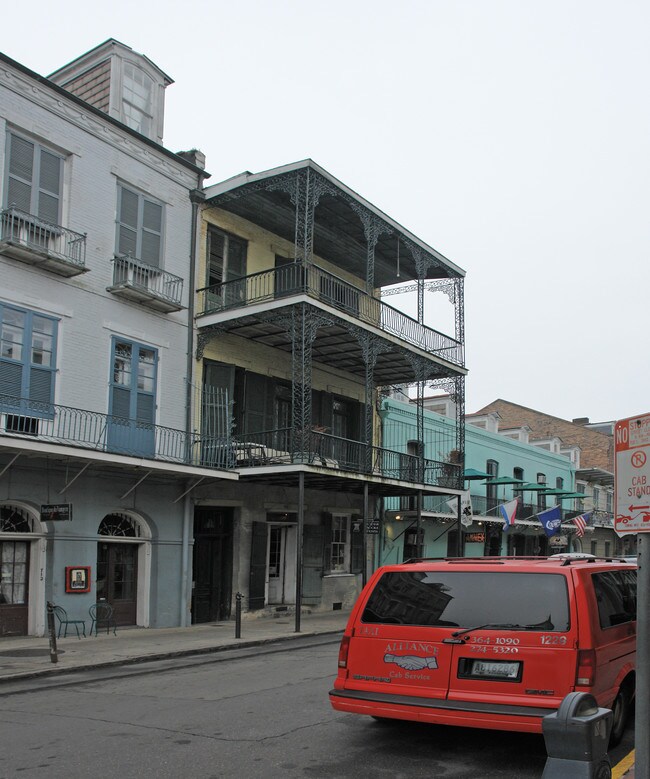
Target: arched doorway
[
  {"x": 19, "y": 564},
  {"x": 118, "y": 566}
]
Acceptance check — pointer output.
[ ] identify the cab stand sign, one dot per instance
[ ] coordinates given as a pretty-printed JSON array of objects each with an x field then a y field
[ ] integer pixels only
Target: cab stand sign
[
  {"x": 632, "y": 444},
  {"x": 632, "y": 501}
]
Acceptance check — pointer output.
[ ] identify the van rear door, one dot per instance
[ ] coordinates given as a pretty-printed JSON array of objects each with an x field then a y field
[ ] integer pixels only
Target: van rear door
[
  {"x": 514, "y": 667},
  {"x": 466, "y": 634},
  {"x": 399, "y": 659}
]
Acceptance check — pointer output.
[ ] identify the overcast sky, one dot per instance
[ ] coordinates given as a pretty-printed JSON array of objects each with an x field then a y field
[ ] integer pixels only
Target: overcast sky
[{"x": 510, "y": 135}]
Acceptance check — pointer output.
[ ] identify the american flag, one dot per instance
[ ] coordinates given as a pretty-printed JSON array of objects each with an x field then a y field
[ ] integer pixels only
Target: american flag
[{"x": 580, "y": 523}]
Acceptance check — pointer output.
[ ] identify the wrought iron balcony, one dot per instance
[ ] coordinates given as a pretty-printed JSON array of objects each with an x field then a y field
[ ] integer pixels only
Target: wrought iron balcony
[
  {"x": 286, "y": 447},
  {"x": 34, "y": 241},
  {"x": 293, "y": 279},
  {"x": 22, "y": 418},
  {"x": 147, "y": 284}
]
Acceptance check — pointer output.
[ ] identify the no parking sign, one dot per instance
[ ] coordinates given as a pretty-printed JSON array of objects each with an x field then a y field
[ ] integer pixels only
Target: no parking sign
[{"x": 632, "y": 484}]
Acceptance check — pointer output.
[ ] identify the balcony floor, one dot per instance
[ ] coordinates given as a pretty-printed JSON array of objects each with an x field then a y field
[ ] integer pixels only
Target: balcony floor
[{"x": 334, "y": 344}]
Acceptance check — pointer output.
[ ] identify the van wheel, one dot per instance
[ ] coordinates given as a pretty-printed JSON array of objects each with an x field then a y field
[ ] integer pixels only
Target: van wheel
[{"x": 620, "y": 713}]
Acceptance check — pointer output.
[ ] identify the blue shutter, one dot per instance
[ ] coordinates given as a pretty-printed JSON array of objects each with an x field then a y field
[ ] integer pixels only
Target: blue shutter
[
  {"x": 121, "y": 401},
  {"x": 41, "y": 385},
  {"x": 10, "y": 378}
]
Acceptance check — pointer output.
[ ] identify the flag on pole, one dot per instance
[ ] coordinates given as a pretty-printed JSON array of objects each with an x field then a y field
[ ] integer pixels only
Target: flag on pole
[
  {"x": 508, "y": 511},
  {"x": 581, "y": 523},
  {"x": 551, "y": 520},
  {"x": 465, "y": 507},
  {"x": 453, "y": 505}
]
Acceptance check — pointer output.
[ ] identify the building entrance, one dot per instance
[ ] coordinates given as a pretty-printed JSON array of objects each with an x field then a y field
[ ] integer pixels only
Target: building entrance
[
  {"x": 14, "y": 559},
  {"x": 212, "y": 564},
  {"x": 282, "y": 564},
  {"x": 117, "y": 579}
]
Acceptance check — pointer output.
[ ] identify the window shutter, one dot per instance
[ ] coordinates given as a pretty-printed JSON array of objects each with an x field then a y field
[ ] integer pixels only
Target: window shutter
[
  {"x": 40, "y": 385},
  {"x": 120, "y": 407},
  {"x": 151, "y": 232},
  {"x": 312, "y": 563},
  {"x": 49, "y": 187},
  {"x": 259, "y": 397},
  {"x": 144, "y": 408},
  {"x": 356, "y": 545},
  {"x": 127, "y": 242},
  {"x": 21, "y": 171},
  {"x": 257, "y": 576},
  {"x": 10, "y": 378},
  {"x": 327, "y": 542}
]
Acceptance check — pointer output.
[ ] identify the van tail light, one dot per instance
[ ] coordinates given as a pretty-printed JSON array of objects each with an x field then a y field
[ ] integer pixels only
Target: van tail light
[
  {"x": 586, "y": 673},
  {"x": 343, "y": 652}
]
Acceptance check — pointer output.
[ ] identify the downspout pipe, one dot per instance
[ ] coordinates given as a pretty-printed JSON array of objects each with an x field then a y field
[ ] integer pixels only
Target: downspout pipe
[{"x": 196, "y": 198}]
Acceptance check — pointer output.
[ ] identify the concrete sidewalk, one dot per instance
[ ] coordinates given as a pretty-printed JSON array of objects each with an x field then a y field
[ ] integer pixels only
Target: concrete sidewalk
[{"x": 29, "y": 656}]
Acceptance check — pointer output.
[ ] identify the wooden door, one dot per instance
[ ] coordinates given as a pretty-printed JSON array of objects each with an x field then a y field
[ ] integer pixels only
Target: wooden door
[
  {"x": 14, "y": 587},
  {"x": 117, "y": 579},
  {"x": 212, "y": 565}
]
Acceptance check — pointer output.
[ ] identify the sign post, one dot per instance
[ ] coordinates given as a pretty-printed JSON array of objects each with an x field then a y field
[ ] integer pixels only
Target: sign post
[{"x": 632, "y": 498}]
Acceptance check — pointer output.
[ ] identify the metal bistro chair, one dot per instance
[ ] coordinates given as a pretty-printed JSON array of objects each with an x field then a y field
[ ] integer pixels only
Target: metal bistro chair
[
  {"x": 62, "y": 616},
  {"x": 102, "y": 612}
]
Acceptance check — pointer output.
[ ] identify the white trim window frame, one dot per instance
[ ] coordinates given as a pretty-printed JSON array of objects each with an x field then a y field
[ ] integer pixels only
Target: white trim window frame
[
  {"x": 138, "y": 98},
  {"x": 140, "y": 224},
  {"x": 28, "y": 343},
  {"x": 340, "y": 546}
]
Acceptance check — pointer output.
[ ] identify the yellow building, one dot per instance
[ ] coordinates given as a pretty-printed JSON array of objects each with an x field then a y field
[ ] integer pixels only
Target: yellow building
[{"x": 291, "y": 326}]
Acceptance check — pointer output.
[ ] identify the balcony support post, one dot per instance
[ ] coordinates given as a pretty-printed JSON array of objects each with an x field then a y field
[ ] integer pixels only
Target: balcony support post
[
  {"x": 304, "y": 326},
  {"x": 371, "y": 348}
]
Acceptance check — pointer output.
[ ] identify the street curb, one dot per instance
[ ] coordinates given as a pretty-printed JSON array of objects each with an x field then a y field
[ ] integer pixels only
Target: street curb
[{"x": 58, "y": 671}]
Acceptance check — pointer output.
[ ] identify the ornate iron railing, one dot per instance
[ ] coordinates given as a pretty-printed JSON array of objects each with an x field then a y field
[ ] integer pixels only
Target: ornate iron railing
[
  {"x": 138, "y": 275},
  {"x": 294, "y": 278},
  {"x": 20, "y": 228},
  {"x": 85, "y": 429},
  {"x": 286, "y": 447}
]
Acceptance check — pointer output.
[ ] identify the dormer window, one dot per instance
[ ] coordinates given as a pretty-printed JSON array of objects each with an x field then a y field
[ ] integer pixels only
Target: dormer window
[
  {"x": 137, "y": 99},
  {"x": 126, "y": 85}
]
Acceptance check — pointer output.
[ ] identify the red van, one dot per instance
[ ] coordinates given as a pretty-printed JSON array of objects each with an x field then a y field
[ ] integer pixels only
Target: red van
[{"x": 490, "y": 642}]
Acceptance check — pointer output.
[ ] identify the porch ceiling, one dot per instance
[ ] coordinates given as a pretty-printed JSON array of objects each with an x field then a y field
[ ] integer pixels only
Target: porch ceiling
[
  {"x": 17, "y": 453},
  {"x": 339, "y": 234},
  {"x": 335, "y": 347},
  {"x": 327, "y": 480}
]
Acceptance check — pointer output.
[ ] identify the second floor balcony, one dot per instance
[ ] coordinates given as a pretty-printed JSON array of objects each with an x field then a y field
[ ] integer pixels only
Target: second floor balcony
[
  {"x": 140, "y": 282},
  {"x": 282, "y": 448},
  {"x": 91, "y": 430},
  {"x": 278, "y": 449},
  {"x": 34, "y": 241}
]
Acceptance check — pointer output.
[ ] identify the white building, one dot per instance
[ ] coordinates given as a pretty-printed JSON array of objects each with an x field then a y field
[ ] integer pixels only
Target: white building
[{"x": 98, "y": 224}]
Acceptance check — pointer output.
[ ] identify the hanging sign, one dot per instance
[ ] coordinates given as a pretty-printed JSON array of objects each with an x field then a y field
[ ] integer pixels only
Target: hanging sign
[
  {"x": 372, "y": 526},
  {"x": 56, "y": 512}
]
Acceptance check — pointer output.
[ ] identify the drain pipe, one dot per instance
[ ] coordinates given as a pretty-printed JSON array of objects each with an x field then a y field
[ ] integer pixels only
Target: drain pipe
[{"x": 196, "y": 198}]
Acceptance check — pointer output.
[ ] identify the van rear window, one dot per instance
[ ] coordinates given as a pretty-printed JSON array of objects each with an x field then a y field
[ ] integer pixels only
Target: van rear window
[{"x": 532, "y": 601}]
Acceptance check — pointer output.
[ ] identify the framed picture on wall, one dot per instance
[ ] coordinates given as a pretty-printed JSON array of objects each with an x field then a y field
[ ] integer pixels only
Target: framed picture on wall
[{"x": 77, "y": 578}]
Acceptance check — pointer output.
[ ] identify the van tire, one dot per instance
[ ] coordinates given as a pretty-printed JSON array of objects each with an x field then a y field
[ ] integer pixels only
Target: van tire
[{"x": 620, "y": 713}]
